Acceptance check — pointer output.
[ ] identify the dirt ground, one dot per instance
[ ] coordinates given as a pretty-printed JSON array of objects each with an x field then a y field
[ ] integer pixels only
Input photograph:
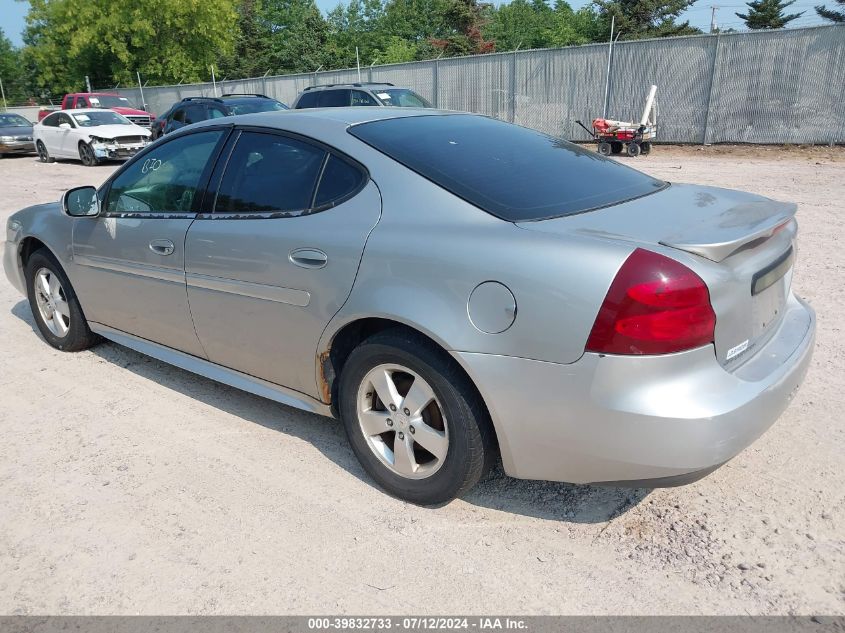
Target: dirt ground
[{"x": 131, "y": 487}]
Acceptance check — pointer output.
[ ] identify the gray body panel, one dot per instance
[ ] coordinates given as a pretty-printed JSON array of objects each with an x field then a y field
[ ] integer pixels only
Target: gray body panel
[
  {"x": 406, "y": 250},
  {"x": 125, "y": 285},
  {"x": 242, "y": 281}
]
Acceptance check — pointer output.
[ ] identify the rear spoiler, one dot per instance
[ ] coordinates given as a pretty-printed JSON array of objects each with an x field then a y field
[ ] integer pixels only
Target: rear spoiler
[{"x": 737, "y": 227}]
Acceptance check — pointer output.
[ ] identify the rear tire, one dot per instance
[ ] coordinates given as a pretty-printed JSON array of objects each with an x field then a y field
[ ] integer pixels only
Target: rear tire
[
  {"x": 43, "y": 154},
  {"x": 604, "y": 148},
  {"x": 393, "y": 446},
  {"x": 616, "y": 147},
  {"x": 633, "y": 149},
  {"x": 54, "y": 305}
]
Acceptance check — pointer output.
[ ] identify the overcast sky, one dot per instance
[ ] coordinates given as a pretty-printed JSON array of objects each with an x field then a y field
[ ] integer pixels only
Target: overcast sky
[{"x": 12, "y": 14}]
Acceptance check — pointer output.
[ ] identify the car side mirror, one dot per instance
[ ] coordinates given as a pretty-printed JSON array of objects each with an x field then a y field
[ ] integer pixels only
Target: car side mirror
[
  {"x": 64, "y": 126},
  {"x": 81, "y": 202}
]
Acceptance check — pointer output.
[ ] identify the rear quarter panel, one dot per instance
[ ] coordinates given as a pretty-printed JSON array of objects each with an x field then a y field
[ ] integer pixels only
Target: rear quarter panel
[{"x": 431, "y": 250}]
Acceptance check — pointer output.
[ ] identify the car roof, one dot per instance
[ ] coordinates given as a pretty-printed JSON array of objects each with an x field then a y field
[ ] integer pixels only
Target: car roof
[
  {"x": 367, "y": 85},
  {"x": 340, "y": 118},
  {"x": 85, "y": 110}
]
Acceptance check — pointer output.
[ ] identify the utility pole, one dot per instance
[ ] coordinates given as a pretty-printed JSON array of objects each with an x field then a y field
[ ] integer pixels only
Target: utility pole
[
  {"x": 607, "y": 77},
  {"x": 88, "y": 83},
  {"x": 3, "y": 92},
  {"x": 141, "y": 90},
  {"x": 713, "y": 26}
]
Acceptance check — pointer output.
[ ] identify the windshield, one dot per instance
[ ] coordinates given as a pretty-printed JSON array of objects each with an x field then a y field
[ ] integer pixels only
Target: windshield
[
  {"x": 110, "y": 101},
  {"x": 13, "y": 120},
  {"x": 402, "y": 97},
  {"x": 512, "y": 172},
  {"x": 259, "y": 105},
  {"x": 93, "y": 119}
]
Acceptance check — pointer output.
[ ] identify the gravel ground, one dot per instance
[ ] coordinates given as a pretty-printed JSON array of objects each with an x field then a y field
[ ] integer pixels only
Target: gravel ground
[{"x": 128, "y": 486}]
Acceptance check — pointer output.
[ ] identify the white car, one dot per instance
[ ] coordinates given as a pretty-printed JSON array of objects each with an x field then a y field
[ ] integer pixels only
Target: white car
[{"x": 91, "y": 135}]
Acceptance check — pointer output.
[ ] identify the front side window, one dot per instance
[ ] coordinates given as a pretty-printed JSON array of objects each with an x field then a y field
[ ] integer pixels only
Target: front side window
[
  {"x": 63, "y": 118},
  {"x": 166, "y": 179},
  {"x": 95, "y": 119},
  {"x": 51, "y": 121},
  {"x": 361, "y": 98},
  {"x": 216, "y": 113},
  {"x": 511, "y": 172},
  {"x": 268, "y": 172},
  {"x": 334, "y": 98}
]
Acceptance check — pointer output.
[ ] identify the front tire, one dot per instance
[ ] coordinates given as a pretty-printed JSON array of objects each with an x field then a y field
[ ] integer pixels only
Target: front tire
[
  {"x": 414, "y": 420},
  {"x": 86, "y": 155},
  {"x": 54, "y": 305}
]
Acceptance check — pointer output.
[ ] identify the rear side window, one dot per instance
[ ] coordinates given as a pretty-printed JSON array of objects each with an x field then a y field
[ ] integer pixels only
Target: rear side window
[
  {"x": 194, "y": 114},
  {"x": 307, "y": 100},
  {"x": 334, "y": 98},
  {"x": 509, "y": 171},
  {"x": 339, "y": 180},
  {"x": 268, "y": 172}
]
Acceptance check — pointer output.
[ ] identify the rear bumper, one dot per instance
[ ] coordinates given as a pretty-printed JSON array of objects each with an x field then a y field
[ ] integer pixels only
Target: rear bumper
[{"x": 640, "y": 421}]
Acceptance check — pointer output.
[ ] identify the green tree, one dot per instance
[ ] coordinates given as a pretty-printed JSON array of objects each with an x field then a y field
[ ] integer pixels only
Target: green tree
[
  {"x": 252, "y": 43},
  {"x": 535, "y": 24},
  {"x": 464, "y": 20},
  {"x": 11, "y": 73},
  {"x": 831, "y": 14},
  {"x": 768, "y": 14},
  {"x": 358, "y": 23},
  {"x": 110, "y": 41},
  {"x": 299, "y": 36},
  {"x": 638, "y": 19}
]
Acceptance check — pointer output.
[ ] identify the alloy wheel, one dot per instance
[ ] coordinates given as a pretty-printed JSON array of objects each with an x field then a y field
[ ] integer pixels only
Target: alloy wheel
[
  {"x": 52, "y": 302},
  {"x": 402, "y": 421}
]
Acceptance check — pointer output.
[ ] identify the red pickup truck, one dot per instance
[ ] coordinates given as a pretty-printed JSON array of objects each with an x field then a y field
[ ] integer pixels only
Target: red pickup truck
[{"x": 107, "y": 100}]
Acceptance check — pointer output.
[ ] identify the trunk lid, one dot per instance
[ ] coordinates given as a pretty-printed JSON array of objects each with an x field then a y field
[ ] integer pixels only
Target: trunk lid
[{"x": 740, "y": 244}]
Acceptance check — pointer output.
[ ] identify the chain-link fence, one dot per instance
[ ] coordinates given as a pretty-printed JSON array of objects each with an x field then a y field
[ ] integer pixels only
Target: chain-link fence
[{"x": 783, "y": 86}]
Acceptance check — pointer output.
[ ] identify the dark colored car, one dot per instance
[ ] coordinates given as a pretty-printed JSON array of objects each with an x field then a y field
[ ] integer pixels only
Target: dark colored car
[
  {"x": 15, "y": 135},
  {"x": 359, "y": 94},
  {"x": 195, "y": 109}
]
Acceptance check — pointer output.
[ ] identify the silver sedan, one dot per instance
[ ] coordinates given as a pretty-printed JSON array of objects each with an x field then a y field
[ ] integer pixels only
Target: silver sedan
[{"x": 454, "y": 288}]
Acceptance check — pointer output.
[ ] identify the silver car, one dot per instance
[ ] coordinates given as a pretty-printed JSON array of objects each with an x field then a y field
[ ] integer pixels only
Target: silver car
[{"x": 454, "y": 288}]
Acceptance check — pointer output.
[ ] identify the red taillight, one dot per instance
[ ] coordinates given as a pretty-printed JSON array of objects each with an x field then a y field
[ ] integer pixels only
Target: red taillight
[{"x": 655, "y": 305}]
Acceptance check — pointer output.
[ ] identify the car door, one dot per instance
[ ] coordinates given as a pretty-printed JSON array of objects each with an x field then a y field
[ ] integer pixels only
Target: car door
[
  {"x": 68, "y": 137},
  {"x": 176, "y": 120},
  {"x": 64, "y": 137},
  {"x": 129, "y": 261},
  {"x": 276, "y": 256},
  {"x": 47, "y": 132}
]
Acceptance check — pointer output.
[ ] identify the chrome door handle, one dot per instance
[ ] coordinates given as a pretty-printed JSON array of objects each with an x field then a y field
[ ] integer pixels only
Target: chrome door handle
[
  {"x": 162, "y": 247},
  {"x": 308, "y": 258}
]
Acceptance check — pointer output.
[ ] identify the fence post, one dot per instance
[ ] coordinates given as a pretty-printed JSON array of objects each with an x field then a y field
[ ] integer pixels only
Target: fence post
[
  {"x": 714, "y": 67},
  {"x": 512, "y": 102},
  {"x": 435, "y": 81}
]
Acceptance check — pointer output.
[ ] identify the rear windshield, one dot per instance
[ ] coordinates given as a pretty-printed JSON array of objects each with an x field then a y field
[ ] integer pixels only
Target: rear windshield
[
  {"x": 510, "y": 171},
  {"x": 402, "y": 98}
]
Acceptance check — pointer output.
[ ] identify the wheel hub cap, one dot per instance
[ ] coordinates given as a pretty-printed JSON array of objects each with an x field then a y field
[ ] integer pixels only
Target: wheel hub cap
[{"x": 402, "y": 421}]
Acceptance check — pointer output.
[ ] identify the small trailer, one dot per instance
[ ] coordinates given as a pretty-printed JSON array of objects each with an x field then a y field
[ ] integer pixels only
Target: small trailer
[{"x": 614, "y": 137}]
